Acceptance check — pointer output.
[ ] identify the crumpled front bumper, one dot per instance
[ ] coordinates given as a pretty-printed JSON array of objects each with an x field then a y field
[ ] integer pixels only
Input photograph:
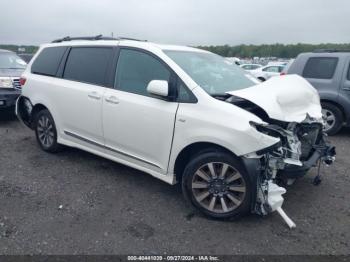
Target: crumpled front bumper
[
  {"x": 302, "y": 147},
  {"x": 325, "y": 152}
]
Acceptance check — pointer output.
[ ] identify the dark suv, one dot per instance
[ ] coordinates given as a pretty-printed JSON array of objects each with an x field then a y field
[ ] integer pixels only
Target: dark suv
[
  {"x": 329, "y": 72},
  {"x": 11, "y": 68}
]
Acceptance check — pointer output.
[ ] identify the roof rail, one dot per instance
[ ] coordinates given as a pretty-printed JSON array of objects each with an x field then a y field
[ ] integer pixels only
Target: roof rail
[
  {"x": 98, "y": 37},
  {"x": 331, "y": 51}
]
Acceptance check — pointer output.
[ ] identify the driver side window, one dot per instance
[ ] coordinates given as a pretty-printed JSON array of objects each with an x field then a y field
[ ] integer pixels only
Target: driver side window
[{"x": 136, "y": 69}]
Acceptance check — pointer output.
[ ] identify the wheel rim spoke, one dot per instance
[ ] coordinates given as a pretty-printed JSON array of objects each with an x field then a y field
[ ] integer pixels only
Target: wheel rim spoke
[
  {"x": 202, "y": 175},
  {"x": 233, "y": 178},
  {"x": 211, "y": 169},
  {"x": 237, "y": 188},
  {"x": 212, "y": 203},
  {"x": 203, "y": 196},
  {"x": 330, "y": 118},
  {"x": 236, "y": 201},
  {"x": 223, "y": 204},
  {"x": 199, "y": 185},
  {"x": 223, "y": 170}
]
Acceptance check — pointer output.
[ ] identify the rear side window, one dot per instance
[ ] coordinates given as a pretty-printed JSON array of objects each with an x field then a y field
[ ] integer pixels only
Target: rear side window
[
  {"x": 88, "y": 64},
  {"x": 48, "y": 61},
  {"x": 136, "y": 69},
  {"x": 320, "y": 67}
]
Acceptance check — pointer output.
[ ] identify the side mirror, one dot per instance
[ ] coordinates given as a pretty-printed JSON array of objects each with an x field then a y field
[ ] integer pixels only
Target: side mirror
[{"x": 158, "y": 87}]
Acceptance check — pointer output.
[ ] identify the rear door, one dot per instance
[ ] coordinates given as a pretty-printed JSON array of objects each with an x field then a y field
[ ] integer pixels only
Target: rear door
[
  {"x": 138, "y": 127},
  {"x": 83, "y": 85}
]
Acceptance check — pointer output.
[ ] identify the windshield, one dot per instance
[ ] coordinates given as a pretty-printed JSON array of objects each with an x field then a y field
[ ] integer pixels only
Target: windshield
[
  {"x": 11, "y": 61},
  {"x": 215, "y": 74}
]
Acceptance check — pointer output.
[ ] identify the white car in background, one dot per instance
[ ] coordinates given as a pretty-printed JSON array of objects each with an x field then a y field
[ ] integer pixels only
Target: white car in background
[
  {"x": 268, "y": 71},
  {"x": 249, "y": 67}
]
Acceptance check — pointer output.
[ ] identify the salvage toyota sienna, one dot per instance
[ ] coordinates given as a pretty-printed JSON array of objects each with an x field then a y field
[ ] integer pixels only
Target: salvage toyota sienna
[{"x": 180, "y": 114}]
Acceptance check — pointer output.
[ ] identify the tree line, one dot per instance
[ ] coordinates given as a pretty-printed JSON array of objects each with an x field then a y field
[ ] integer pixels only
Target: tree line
[
  {"x": 243, "y": 51},
  {"x": 28, "y": 49},
  {"x": 272, "y": 50}
]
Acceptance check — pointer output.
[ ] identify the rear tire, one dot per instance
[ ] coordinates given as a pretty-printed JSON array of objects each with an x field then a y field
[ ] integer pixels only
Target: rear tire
[
  {"x": 262, "y": 79},
  {"x": 333, "y": 117},
  {"x": 216, "y": 184},
  {"x": 46, "y": 132}
]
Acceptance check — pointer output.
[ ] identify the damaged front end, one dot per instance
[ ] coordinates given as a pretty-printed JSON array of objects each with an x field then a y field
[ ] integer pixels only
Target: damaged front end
[
  {"x": 302, "y": 141},
  {"x": 302, "y": 147}
]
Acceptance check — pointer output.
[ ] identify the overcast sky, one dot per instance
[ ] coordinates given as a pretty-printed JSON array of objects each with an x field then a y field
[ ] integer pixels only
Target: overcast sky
[{"x": 188, "y": 22}]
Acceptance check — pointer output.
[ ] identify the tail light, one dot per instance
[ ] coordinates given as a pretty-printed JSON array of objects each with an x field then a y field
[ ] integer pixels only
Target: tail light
[
  {"x": 22, "y": 81},
  {"x": 283, "y": 74}
]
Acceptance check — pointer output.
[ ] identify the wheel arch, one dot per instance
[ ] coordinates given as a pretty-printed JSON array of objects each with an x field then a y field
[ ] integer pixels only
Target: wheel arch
[
  {"x": 342, "y": 109},
  {"x": 26, "y": 110},
  {"x": 191, "y": 150},
  {"x": 37, "y": 108}
]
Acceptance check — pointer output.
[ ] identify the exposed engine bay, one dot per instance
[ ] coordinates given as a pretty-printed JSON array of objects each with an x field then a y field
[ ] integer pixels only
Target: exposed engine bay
[{"x": 302, "y": 146}]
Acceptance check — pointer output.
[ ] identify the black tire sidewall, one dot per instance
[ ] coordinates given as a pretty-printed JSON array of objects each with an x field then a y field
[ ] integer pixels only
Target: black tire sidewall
[
  {"x": 54, "y": 146},
  {"x": 338, "y": 117},
  {"x": 208, "y": 157}
]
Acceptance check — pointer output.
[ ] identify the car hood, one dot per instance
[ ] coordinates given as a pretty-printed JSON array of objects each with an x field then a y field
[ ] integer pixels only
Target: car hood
[
  {"x": 11, "y": 72},
  {"x": 287, "y": 98}
]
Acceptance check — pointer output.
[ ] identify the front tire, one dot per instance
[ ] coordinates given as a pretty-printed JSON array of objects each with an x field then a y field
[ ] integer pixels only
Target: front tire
[
  {"x": 333, "y": 118},
  {"x": 46, "y": 132},
  {"x": 217, "y": 184}
]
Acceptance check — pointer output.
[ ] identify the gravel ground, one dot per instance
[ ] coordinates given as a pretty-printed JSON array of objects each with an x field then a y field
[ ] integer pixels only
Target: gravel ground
[{"x": 77, "y": 203}]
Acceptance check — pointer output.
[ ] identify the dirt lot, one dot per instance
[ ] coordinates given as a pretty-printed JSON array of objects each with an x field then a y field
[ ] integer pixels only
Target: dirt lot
[{"x": 77, "y": 203}]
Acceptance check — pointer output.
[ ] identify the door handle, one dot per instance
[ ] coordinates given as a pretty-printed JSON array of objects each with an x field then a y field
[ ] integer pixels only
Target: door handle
[
  {"x": 112, "y": 100},
  {"x": 94, "y": 95}
]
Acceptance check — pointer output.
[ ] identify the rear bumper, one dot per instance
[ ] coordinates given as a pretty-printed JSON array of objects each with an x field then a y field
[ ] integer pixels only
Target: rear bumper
[
  {"x": 8, "y": 98},
  {"x": 24, "y": 111}
]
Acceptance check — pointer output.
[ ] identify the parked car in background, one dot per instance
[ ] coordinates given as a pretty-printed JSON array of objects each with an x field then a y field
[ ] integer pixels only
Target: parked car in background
[
  {"x": 249, "y": 67},
  {"x": 329, "y": 72},
  {"x": 266, "y": 72},
  {"x": 178, "y": 113},
  {"x": 277, "y": 63},
  {"x": 236, "y": 60},
  {"x": 287, "y": 66},
  {"x": 26, "y": 57},
  {"x": 11, "y": 68}
]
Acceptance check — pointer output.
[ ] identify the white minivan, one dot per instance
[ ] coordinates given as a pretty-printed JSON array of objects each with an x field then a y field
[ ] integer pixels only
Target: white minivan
[{"x": 178, "y": 113}]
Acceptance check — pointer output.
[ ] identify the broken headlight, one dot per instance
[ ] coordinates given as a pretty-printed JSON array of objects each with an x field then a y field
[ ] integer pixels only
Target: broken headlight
[{"x": 290, "y": 146}]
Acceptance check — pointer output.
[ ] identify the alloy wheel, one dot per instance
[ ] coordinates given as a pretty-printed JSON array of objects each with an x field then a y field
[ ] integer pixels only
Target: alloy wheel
[
  {"x": 329, "y": 119},
  {"x": 45, "y": 131},
  {"x": 218, "y": 187}
]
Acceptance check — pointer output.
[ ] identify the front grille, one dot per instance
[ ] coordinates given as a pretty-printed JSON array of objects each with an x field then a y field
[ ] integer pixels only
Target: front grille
[
  {"x": 309, "y": 136},
  {"x": 16, "y": 84}
]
